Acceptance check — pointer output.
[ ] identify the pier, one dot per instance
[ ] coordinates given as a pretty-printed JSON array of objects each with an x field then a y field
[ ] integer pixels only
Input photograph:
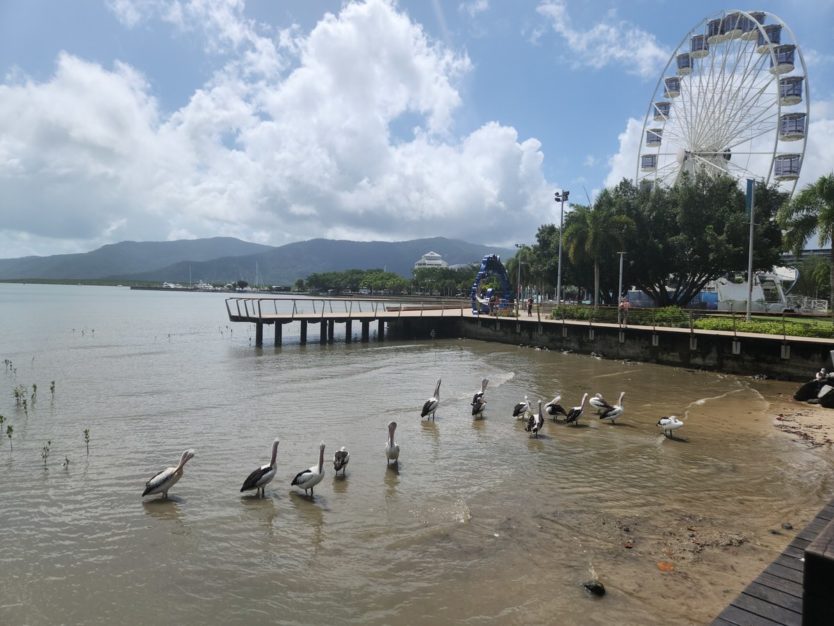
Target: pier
[
  {"x": 795, "y": 589},
  {"x": 775, "y": 356},
  {"x": 326, "y": 313}
]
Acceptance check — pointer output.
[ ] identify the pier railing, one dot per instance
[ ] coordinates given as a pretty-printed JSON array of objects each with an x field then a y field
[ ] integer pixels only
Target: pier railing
[{"x": 278, "y": 308}]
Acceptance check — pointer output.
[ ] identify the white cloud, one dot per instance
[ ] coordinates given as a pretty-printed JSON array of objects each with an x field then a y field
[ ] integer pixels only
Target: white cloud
[
  {"x": 623, "y": 164},
  {"x": 290, "y": 139},
  {"x": 474, "y": 7},
  {"x": 608, "y": 42}
]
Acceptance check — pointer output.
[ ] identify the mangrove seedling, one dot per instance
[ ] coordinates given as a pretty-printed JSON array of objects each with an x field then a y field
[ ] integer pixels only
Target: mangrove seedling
[
  {"x": 2, "y": 419},
  {"x": 9, "y": 431},
  {"x": 52, "y": 389},
  {"x": 34, "y": 392},
  {"x": 66, "y": 462},
  {"x": 87, "y": 439},
  {"x": 45, "y": 452},
  {"x": 25, "y": 408}
]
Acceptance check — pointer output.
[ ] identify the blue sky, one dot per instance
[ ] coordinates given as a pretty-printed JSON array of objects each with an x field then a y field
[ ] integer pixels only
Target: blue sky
[{"x": 282, "y": 121}]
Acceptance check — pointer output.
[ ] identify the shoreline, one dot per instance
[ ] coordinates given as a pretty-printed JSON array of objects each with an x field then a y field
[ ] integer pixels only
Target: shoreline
[{"x": 809, "y": 424}]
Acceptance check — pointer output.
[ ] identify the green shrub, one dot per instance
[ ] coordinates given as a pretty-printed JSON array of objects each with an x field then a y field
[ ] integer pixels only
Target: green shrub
[{"x": 790, "y": 328}]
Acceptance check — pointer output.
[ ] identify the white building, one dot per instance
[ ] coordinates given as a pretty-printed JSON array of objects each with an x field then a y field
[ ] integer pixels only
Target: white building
[{"x": 430, "y": 259}]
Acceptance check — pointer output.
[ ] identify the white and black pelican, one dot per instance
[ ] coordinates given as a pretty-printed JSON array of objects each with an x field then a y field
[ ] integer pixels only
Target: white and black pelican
[
  {"x": 553, "y": 407},
  {"x": 392, "y": 448},
  {"x": 430, "y": 406},
  {"x": 598, "y": 402},
  {"x": 611, "y": 413},
  {"x": 262, "y": 476},
  {"x": 478, "y": 407},
  {"x": 311, "y": 477},
  {"x": 535, "y": 422},
  {"x": 669, "y": 424},
  {"x": 479, "y": 395},
  {"x": 520, "y": 410},
  {"x": 168, "y": 477},
  {"x": 576, "y": 412},
  {"x": 340, "y": 460}
]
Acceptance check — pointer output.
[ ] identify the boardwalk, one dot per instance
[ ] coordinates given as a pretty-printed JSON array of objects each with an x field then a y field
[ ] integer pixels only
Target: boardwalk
[{"x": 776, "y": 595}]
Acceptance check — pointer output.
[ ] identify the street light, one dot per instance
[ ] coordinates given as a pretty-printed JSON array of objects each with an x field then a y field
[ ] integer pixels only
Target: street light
[
  {"x": 561, "y": 197},
  {"x": 518, "y": 284}
]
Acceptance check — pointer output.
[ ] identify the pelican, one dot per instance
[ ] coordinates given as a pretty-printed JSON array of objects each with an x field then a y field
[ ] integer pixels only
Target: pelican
[
  {"x": 535, "y": 422},
  {"x": 392, "y": 448},
  {"x": 478, "y": 407},
  {"x": 167, "y": 478},
  {"x": 340, "y": 460},
  {"x": 611, "y": 413},
  {"x": 311, "y": 477},
  {"x": 576, "y": 412},
  {"x": 479, "y": 395},
  {"x": 554, "y": 408},
  {"x": 430, "y": 405},
  {"x": 668, "y": 424},
  {"x": 598, "y": 402},
  {"x": 520, "y": 409},
  {"x": 261, "y": 477}
]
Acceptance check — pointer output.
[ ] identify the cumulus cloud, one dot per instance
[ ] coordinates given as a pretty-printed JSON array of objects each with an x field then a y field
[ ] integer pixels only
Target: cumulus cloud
[
  {"x": 293, "y": 137},
  {"x": 606, "y": 43}
]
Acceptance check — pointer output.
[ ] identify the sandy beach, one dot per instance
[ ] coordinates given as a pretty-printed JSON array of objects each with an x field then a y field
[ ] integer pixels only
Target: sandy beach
[{"x": 809, "y": 424}]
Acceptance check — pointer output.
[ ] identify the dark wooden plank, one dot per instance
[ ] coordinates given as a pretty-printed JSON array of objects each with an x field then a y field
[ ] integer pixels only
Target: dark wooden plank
[
  {"x": 782, "y": 584},
  {"x": 774, "y": 596},
  {"x": 720, "y": 621},
  {"x": 765, "y": 609},
  {"x": 794, "y": 552},
  {"x": 740, "y": 617},
  {"x": 787, "y": 573},
  {"x": 791, "y": 562}
]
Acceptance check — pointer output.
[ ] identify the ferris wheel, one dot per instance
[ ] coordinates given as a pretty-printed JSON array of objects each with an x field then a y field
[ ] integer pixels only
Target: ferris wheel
[{"x": 733, "y": 99}]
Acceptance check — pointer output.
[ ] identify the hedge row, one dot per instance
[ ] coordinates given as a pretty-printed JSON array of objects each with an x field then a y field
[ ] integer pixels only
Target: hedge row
[{"x": 677, "y": 317}]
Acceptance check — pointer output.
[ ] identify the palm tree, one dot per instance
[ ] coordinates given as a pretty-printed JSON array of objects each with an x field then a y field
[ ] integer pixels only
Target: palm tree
[
  {"x": 811, "y": 211},
  {"x": 595, "y": 232}
]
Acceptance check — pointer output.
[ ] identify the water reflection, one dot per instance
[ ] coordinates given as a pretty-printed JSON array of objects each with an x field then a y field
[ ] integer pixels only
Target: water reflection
[
  {"x": 340, "y": 483},
  {"x": 163, "y": 509},
  {"x": 310, "y": 513}
]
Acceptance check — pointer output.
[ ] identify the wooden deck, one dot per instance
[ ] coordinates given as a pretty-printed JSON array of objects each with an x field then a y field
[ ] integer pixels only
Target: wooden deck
[{"x": 776, "y": 595}]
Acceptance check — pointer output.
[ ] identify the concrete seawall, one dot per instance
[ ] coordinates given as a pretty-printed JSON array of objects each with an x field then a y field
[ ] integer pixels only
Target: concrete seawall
[{"x": 790, "y": 358}]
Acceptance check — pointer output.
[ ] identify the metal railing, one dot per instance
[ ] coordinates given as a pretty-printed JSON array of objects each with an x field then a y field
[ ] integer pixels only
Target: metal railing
[{"x": 262, "y": 308}]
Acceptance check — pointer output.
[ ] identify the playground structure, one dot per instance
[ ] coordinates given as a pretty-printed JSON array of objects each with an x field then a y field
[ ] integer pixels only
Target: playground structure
[{"x": 491, "y": 266}]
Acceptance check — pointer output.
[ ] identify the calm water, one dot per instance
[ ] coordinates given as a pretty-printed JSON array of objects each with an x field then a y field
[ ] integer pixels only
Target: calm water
[{"x": 480, "y": 525}]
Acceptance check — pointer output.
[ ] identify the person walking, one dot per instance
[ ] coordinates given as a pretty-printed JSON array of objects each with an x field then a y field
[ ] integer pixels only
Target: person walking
[{"x": 530, "y": 307}]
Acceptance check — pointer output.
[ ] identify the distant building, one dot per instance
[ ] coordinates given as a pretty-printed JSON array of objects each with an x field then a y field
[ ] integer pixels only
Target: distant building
[{"x": 430, "y": 259}]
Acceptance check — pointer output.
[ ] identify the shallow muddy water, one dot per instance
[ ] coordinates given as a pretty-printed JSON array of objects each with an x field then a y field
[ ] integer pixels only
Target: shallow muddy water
[{"x": 479, "y": 523}]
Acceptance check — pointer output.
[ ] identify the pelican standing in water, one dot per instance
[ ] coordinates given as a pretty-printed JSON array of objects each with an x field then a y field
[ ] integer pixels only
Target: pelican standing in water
[
  {"x": 576, "y": 412},
  {"x": 431, "y": 404},
  {"x": 611, "y": 413},
  {"x": 340, "y": 460},
  {"x": 392, "y": 448},
  {"x": 553, "y": 407},
  {"x": 311, "y": 477},
  {"x": 479, "y": 395},
  {"x": 599, "y": 403},
  {"x": 261, "y": 477},
  {"x": 167, "y": 478},
  {"x": 520, "y": 410},
  {"x": 669, "y": 424},
  {"x": 535, "y": 422}
]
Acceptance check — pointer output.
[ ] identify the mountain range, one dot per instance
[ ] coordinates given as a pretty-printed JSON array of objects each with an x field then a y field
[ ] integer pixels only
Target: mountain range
[{"x": 226, "y": 259}]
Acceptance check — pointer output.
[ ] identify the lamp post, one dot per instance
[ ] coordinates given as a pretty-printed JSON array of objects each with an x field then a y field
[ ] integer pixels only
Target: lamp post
[
  {"x": 620, "y": 289},
  {"x": 561, "y": 197},
  {"x": 518, "y": 284}
]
